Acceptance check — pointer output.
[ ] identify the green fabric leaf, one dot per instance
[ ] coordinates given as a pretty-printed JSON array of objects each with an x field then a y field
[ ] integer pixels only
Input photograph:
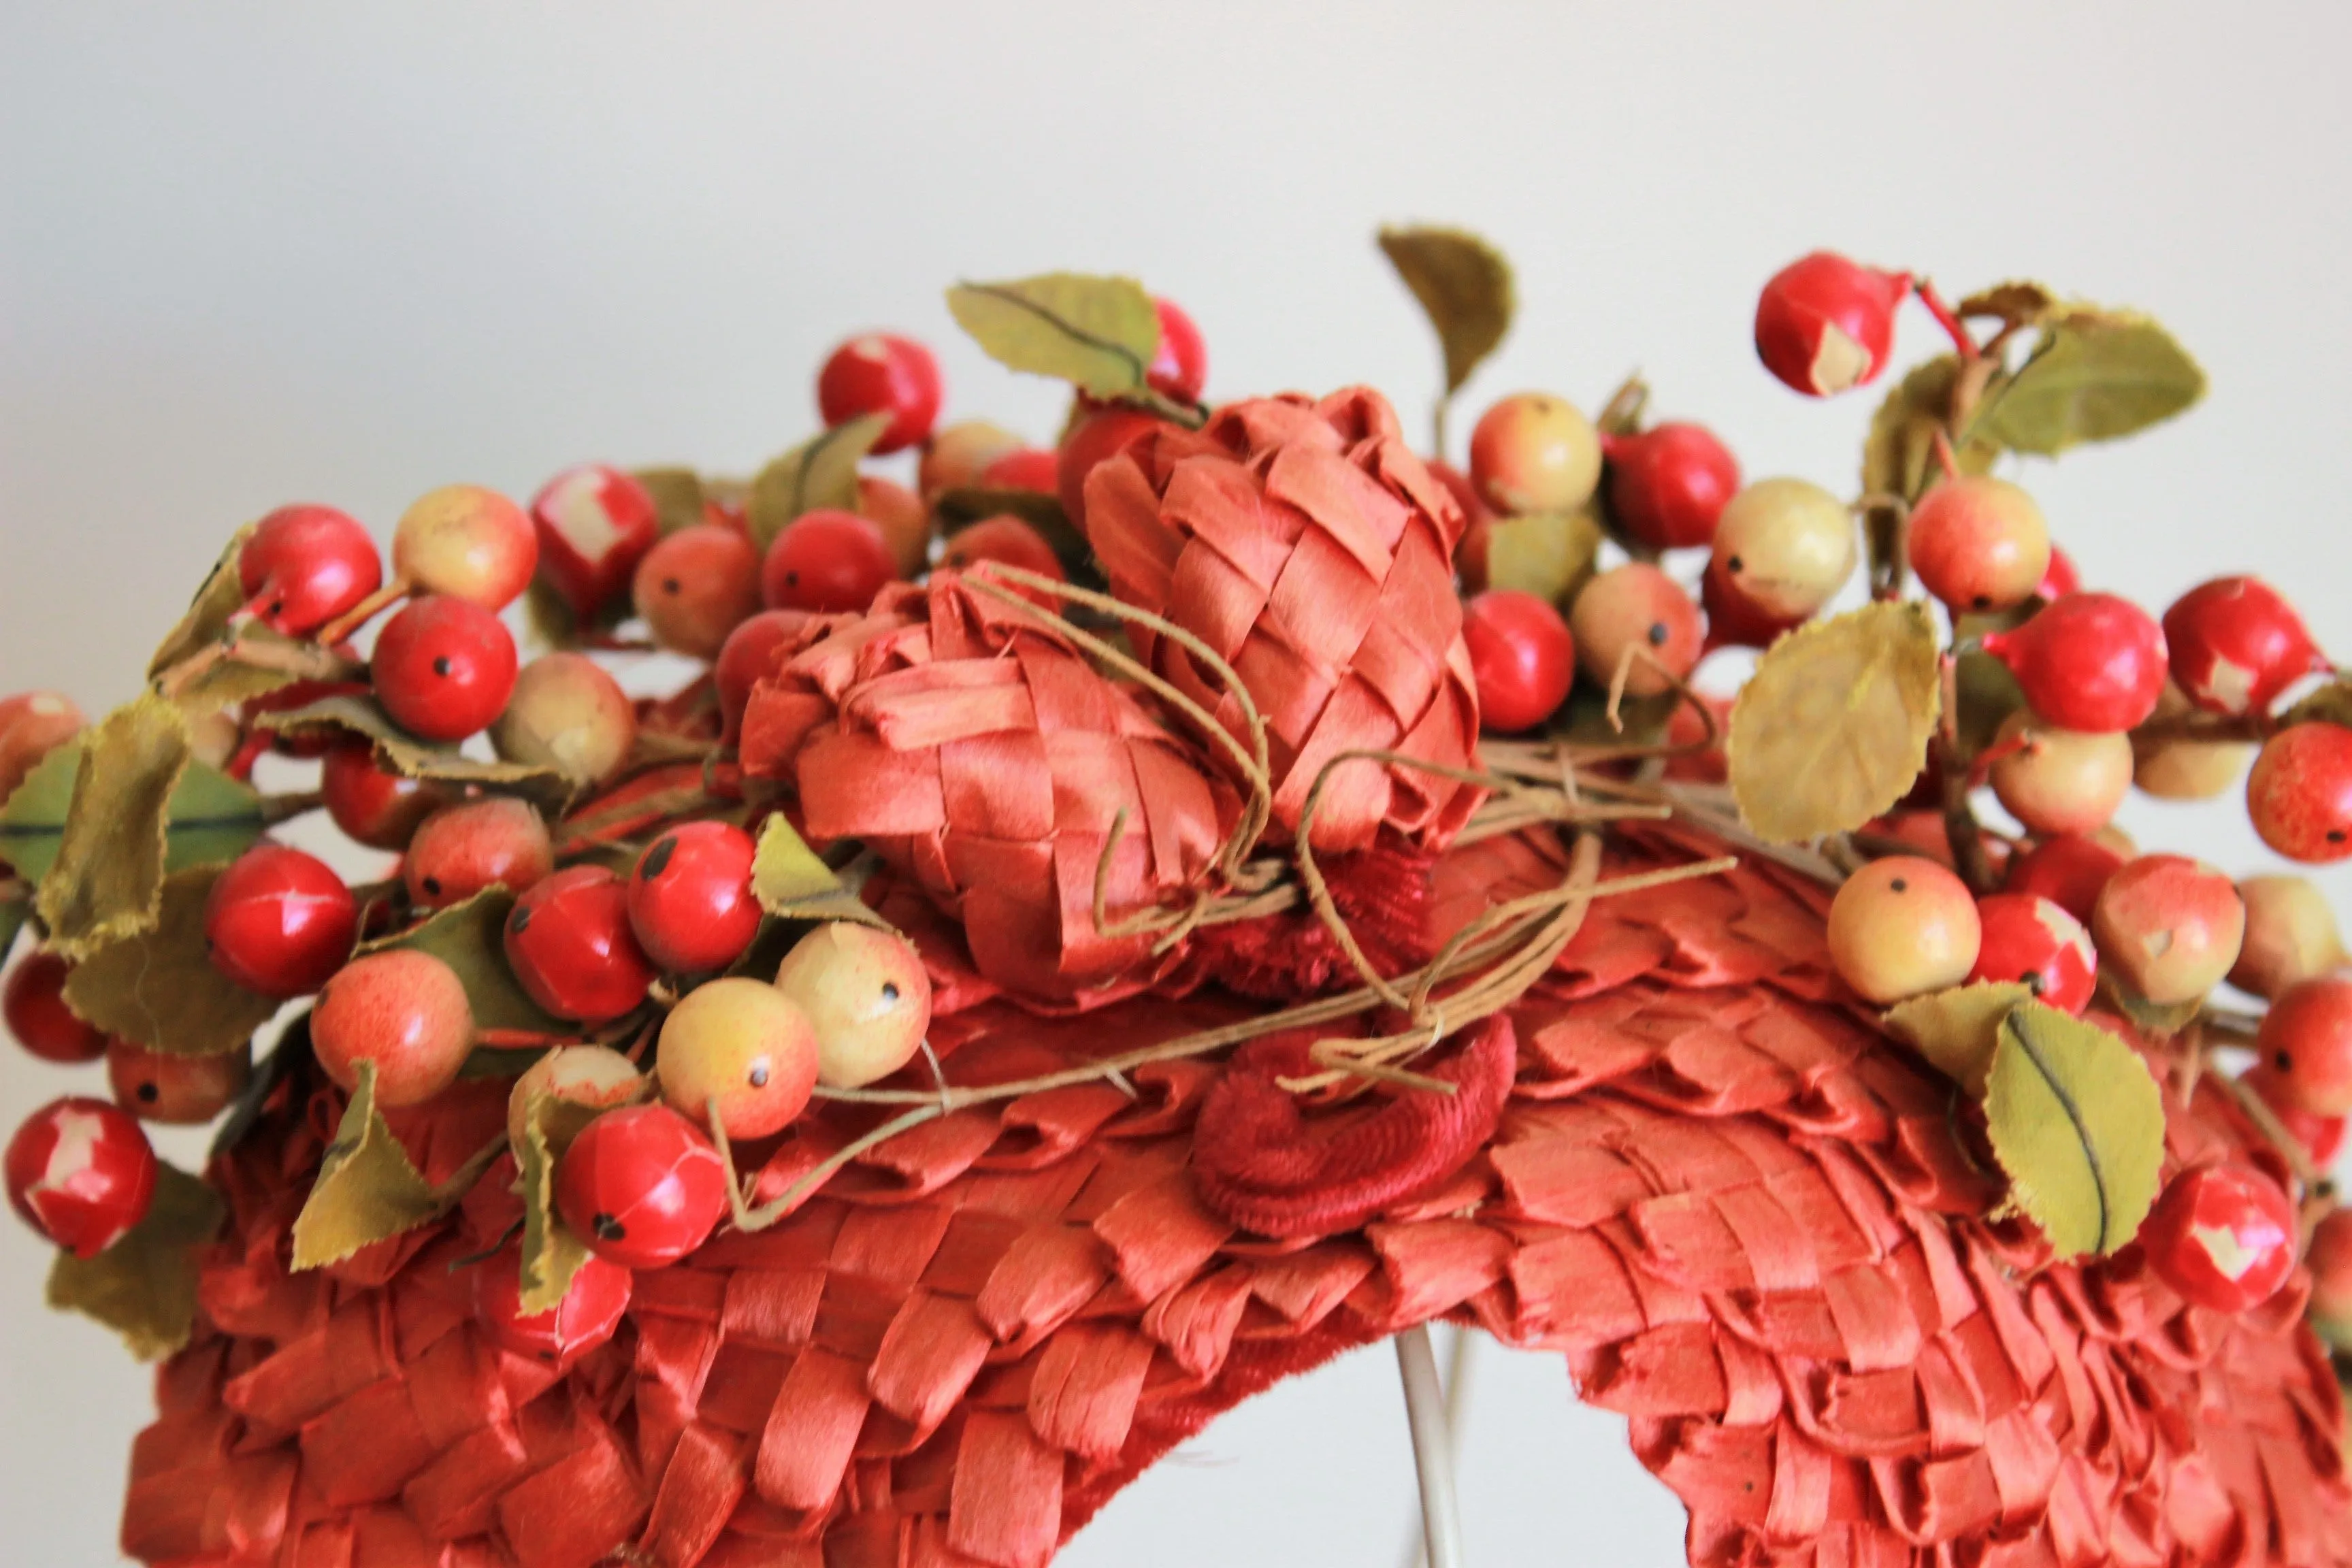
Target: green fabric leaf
[
  {"x": 2077, "y": 1123},
  {"x": 822, "y": 471},
  {"x": 145, "y": 1286},
  {"x": 1957, "y": 1030},
  {"x": 470, "y": 938},
  {"x": 160, "y": 987},
  {"x": 2096, "y": 375},
  {"x": 1098, "y": 334},
  {"x": 367, "y": 1189},
  {"x": 1464, "y": 287}
]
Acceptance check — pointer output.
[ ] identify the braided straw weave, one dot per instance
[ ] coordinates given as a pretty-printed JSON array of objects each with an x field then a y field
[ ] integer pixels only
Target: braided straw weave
[
  {"x": 1745, "y": 1218},
  {"x": 984, "y": 756},
  {"x": 1308, "y": 546}
]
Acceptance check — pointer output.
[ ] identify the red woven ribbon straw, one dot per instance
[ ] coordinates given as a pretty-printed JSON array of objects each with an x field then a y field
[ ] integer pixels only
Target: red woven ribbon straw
[
  {"x": 1308, "y": 546},
  {"x": 985, "y": 757},
  {"x": 1743, "y": 1216}
]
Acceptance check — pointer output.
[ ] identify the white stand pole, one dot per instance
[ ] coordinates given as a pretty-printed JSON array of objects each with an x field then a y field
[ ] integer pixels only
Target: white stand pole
[{"x": 1433, "y": 1448}]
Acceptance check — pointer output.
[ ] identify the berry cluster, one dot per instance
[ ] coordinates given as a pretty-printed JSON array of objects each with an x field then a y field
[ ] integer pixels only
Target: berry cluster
[{"x": 676, "y": 1010}]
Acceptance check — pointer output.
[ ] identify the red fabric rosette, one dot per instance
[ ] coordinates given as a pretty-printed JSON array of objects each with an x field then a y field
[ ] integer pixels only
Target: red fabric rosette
[
  {"x": 1308, "y": 547},
  {"x": 982, "y": 756}
]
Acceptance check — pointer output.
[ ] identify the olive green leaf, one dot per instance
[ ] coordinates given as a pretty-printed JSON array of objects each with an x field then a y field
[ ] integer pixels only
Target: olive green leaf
[
  {"x": 1832, "y": 727},
  {"x": 1464, "y": 287},
  {"x": 1551, "y": 554},
  {"x": 822, "y": 471},
  {"x": 145, "y": 1286},
  {"x": 1899, "y": 453},
  {"x": 1984, "y": 695},
  {"x": 354, "y": 713},
  {"x": 367, "y": 1189},
  {"x": 1098, "y": 334},
  {"x": 1957, "y": 1029},
  {"x": 2095, "y": 376},
  {"x": 677, "y": 497},
  {"x": 470, "y": 938},
  {"x": 160, "y": 988},
  {"x": 2077, "y": 1123},
  {"x": 792, "y": 882},
  {"x": 16, "y": 904},
  {"x": 2331, "y": 702},
  {"x": 217, "y": 601},
  {"x": 2018, "y": 304}
]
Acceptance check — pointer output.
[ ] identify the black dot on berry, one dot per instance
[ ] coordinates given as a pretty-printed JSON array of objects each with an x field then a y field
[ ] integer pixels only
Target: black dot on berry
[
  {"x": 279, "y": 608},
  {"x": 1732, "y": 565},
  {"x": 608, "y": 1229},
  {"x": 148, "y": 1093},
  {"x": 889, "y": 991},
  {"x": 433, "y": 888},
  {"x": 791, "y": 579},
  {"x": 520, "y": 924},
  {"x": 442, "y": 666},
  {"x": 658, "y": 858},
  {"x": 2283, "y": 1062},
  {"x": 1983, "y": 601},
  {"x": 2336, "y": 836},
  {"x": 671, "y": 586},
  {"x": 1658, "y": 634},
  {"x": 1900, "y": 885},
  {"x": 759, "y": 1073}
]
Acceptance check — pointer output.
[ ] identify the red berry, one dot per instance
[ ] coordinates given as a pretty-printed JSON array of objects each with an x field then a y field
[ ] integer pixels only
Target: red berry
[
  {"x": 593, "y": 1307},
  {"x": 401, "y": 1009},
  {"x": 1636, "y": 605},
  {"x": 569, "y": 943},
  {"x": 2169, "y": 927},
  {"x": 35, "y": 1004},
  {"x": 2027, "y": 938},
  {"x": 640, "y": 1187},
  {"x": 444, "y": 667},
  {"x": 743, "y": 1047},
  {"x": 595, "y": 524},
  {"x": 373, "y": 804},
  {"x": 2299, "y": 793},
  {"x": 958, "y": 453},
  {"x": 1521, "y": 655},
  {"x": 279, "y": 922},
  {"x": 1024, "y": 468},
  {"x": 496, "y": 841},
  {"x": 2236, "y": 644},
  {"x": 305, "y": 566},
  {"x": 2061, "y": 579},
  {"x": 1733, "y": 619},
  {"x": 2322, "y": 1137},
  {"x": 751, "y": 653},
  {"x": 1978, "y": 544},
  {"x": 466, "y": 542},
  {"x": 1096, "y": 440},
  {"x": 2305, "y": 1041},
  {"x": 1668, "y": 485},
  {"x": 696, "y": 586},
  {"x": 32, "y": 725},
  {"x": 690, "y": 901},
  {"x": 1824, "y": 323},
  {"x": 81, "y": 1172},
  {"x": 180, "y": 1091},
  {"x": 2091, "y": 662},
  {"x": 904, "y": 519},
  {"x": 2066, "y": 869},
  {"x": 1008, "y": 540},
  {"x": 881, "y": 373},
  {"x": 2223, "y": 1235},
  {"x": 1180, "y": 366},
  {"x": 826, "y": 562}
]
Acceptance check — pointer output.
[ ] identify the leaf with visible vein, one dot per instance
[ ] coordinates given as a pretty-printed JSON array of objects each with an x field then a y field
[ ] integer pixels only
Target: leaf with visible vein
[
  {"x": 1098, "y": 334},
  {"x": 2077, "y": 1123},
  {"x": 1464, "y": 286},
  {"x": 107, "y": 876},
  {"x": 145, "y": 1286},
  {"x": 792, "y": 882},
  {"x": 1957, "y": 1029},
  {"x": 161, "y": 989},
  {"x": 368, "y": 1189},
  {"x": 1833, "y": 728},
  {"x": 2096, "y": 375}
]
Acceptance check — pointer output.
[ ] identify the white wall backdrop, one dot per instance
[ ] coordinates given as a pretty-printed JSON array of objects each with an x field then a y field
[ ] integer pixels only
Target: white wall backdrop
[{"x": 346, "y": 252}]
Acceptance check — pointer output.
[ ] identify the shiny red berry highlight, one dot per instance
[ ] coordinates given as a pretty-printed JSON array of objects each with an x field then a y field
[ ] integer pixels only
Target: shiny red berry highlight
[
  {"x": 2091, "y": 662},
  {"x": 1668, "y": 485},
  {"x": 2236, "y": 643},
  {"x": 1824, "y": 323},
  {"x": 444, "y": 667},
  {"x": 305, "y": 566},
  {"x": 2223, "y": 1235},
  {"x": 81, "y": 1172},
  {"x": 1521, "y": 655},
  {"x": 568, "y": 943},
  {"x": 640, "y": 1187},
  {"x": 279, "y": 922},
  {"x": 690, "y": 899},
  {"x": 826, "y": 562},
  {"x": 594, "y": 523},
  {"x": 34, "y": 1001},
  {"x": 2029, "y": 940},
  {"x": 592, "y": 1309},
  {"x": 881, "y": 373}
]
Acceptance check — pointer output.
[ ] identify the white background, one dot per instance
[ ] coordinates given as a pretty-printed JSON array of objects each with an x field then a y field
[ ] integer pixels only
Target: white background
[{"x": 346, "y": 253}]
